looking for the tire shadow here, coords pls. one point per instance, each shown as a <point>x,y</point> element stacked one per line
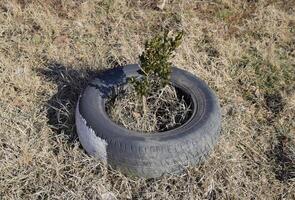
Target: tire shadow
<point>61,106</point>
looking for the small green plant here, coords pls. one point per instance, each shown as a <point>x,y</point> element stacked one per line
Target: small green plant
<point>155,64</point>
<point>224,14</point>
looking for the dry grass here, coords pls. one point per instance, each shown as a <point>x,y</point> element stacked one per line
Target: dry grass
<point>50,48</point>
<point>164,110</point>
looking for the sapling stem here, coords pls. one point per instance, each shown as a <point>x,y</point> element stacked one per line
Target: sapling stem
<point>144,105</point>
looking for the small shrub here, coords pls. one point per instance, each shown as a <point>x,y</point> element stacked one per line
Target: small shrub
<point>155,105</point>
<point>155,64</point>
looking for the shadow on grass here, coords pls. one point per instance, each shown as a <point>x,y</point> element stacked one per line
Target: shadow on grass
<point>61,106</point>
<point>283,155</point>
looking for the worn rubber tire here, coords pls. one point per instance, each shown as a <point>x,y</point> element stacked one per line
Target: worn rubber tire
<point>147,155</point>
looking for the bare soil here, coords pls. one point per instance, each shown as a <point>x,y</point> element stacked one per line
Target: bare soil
<point>49,49</point>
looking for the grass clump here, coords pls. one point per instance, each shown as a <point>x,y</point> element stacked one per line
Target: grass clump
<point>265,80</point>
<point>166,109</point>
<point>224,14</point>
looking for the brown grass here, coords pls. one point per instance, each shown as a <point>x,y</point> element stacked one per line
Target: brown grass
<point>245,50</point>
<point>164,110</point>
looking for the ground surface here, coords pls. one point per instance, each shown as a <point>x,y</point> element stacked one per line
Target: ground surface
<point>243,49</point>
<point>164,109</point>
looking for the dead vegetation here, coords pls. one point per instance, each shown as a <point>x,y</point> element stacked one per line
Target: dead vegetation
<point>165,109</point>
<point>243,49</point>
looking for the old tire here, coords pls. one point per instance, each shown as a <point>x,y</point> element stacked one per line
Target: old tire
<point>147,155</point>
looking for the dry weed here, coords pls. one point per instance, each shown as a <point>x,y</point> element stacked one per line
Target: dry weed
<point>165,109</point>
